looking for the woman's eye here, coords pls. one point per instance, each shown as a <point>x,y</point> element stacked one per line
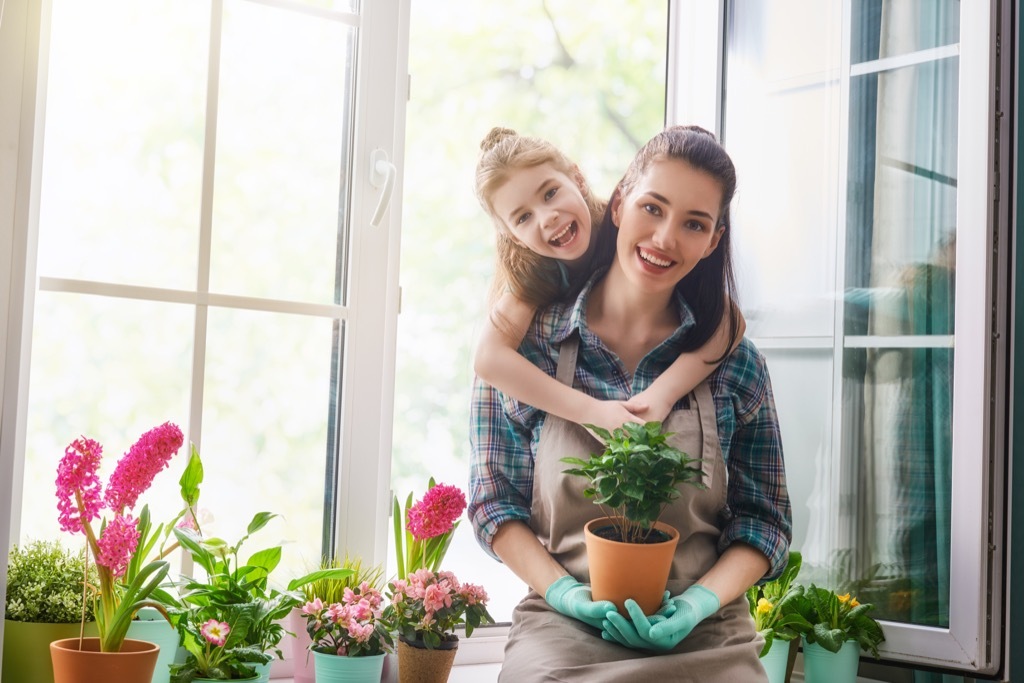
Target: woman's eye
<point>696,226</point>
<point>652,209</point>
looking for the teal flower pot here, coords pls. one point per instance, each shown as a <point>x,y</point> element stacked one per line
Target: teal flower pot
<point>774,661</point>
<point>822,666</point>
<point>335,669</point>
<point>151,626</point>
<point>263,672</point>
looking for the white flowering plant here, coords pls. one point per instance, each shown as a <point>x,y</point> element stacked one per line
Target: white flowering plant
<point>44,584</point>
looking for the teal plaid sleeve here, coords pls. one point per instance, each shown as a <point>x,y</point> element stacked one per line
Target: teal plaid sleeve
<point>759,511</point>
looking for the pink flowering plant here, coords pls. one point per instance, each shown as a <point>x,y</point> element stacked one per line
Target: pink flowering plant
<point>81,500</point>
<point>217,639</point>
<point>353,627</point>
<point>428,606</point>
<point>428,527</point>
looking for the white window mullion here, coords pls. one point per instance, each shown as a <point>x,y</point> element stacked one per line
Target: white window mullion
<point>368,391</point>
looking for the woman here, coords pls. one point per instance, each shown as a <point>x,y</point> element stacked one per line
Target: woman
<point>666,288</point>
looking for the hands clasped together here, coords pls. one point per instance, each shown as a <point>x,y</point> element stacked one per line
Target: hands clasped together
<point>661,631</point>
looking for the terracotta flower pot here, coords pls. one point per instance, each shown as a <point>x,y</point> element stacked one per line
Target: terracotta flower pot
<point>133,664</point>
<point>619,571</point>
<point>417,664</point>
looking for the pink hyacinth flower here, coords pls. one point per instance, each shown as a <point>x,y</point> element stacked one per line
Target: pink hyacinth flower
<point>137,468</point>
<point>117,544</point>
<point>215,632</point>
<point>441,506</point>
<point>77,473</point>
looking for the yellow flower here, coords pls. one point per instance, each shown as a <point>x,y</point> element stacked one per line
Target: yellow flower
<point>844,598</point>
<point>854,603</point>
<point>763,606</point>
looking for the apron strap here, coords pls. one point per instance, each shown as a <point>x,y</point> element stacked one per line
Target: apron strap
<point>567,355</point>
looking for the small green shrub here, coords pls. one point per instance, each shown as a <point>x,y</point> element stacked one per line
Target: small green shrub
<point>44,584</point>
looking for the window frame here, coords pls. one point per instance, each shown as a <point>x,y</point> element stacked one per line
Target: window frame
<point>973,642</point>
<point>371,308</point>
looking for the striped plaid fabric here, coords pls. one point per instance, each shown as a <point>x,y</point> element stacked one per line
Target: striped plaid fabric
<point>504,433</point>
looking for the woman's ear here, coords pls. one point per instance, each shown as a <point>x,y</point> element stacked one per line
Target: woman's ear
<point>616,207</point>
<point>715,239</point>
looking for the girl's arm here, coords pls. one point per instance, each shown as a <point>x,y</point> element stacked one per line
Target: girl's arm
<point>498,362</point>
<point>686,372</point>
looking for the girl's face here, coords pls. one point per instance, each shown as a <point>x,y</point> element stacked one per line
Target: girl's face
<point>544,211</point>
<point>667,223</point>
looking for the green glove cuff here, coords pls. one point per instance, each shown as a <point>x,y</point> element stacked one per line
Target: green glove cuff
<point>556,593</point>
<point>701,600</point>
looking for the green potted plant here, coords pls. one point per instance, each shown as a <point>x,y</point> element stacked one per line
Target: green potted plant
<point>256,608</point>
<point>81,501</point>
<point>837,628</point>
<point>771,606</point>
<point>329,589</point>
<point>629,551</point>
<point>45,601</point>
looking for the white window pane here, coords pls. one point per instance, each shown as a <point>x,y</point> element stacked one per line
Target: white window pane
<point>283,148</point>
<point>802,384</point>
<point>266,411</point>
<point>123,141</point>
<point>109,370</point>
<point>781,129</point>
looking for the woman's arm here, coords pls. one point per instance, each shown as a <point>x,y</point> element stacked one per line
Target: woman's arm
<point>518,547</point>
<point>686,372</point>
<point>737,569</point>
<point>498,362</point>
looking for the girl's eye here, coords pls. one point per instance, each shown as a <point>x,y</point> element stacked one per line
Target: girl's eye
<point>522,219</point>
<point>550,193</point>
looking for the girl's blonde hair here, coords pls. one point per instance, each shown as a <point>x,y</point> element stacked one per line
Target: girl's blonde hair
<point>531,278</point>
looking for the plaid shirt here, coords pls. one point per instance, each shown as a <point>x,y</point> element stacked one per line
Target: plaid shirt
<point>504,433</point>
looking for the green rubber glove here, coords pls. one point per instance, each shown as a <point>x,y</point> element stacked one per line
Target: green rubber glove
<point>623,632</point>
<point>693,605</point>
<point>573,599</point>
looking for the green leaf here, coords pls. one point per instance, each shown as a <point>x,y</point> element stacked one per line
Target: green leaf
<point>259,520</point>
<point>831,639</point>
<point>266,559</point>
<point>191,478</point>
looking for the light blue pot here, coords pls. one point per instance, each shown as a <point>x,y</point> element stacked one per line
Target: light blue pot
<point>774,661</point>
<point>335,669</point>
<point>822,666</point>
<point>263,672</point>
<point>152,627</point>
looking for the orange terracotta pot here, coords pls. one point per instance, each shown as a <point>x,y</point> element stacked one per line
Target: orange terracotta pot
<point>135,662</point>
<point>619,571</point>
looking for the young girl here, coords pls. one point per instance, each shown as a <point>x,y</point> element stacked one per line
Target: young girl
<point>548,246</point>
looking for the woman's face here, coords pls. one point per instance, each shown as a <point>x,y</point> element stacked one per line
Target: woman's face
<point>667,223</point>
<point>544,211</point>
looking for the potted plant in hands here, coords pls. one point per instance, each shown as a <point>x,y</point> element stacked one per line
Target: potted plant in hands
<point>80,500</point>
<point>837,628</point>
<point>425,609</point>
<point>349,637</point>
<point>629,551</point>
<point>775,619</point>
<point>45,601</point>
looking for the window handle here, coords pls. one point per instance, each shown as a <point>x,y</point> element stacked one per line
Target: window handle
<point>382,173</point>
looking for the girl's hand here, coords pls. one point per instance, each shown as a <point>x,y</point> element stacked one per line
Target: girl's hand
<point>609,415</point>
<point>649,406</point>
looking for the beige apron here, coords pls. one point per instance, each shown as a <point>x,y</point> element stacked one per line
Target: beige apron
<point>544,645</point>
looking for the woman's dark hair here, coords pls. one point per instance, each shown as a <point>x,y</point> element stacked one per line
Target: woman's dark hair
<point>709,289</point>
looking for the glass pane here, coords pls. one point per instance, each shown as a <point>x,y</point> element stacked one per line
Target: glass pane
<point>901,213</point>
<point>780,64</point>
<point>802,384</point>
<point>882,28</point>
<point>589,76</point>
<point>283,148</point>
<point>266,409</point>
<point>122,158</point>
<point>109,370</point>
<point>895,509</point>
